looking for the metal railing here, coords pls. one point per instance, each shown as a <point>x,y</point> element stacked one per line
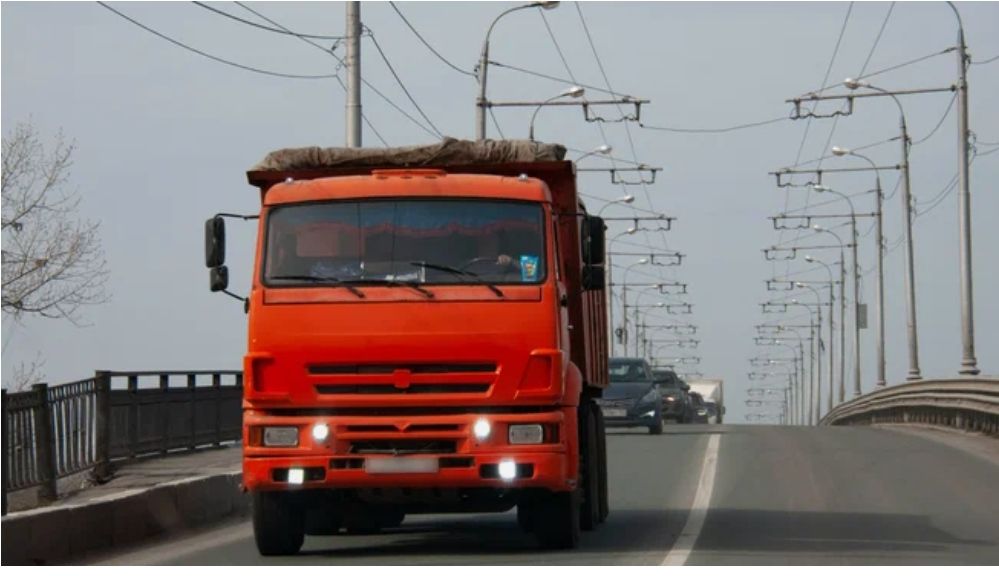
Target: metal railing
<point>52,432</point>
<point>970,404</point>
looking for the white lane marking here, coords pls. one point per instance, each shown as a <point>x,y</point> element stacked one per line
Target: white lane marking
<point>684,544</point>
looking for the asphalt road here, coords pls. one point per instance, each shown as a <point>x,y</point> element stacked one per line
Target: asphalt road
<point>767,495</point>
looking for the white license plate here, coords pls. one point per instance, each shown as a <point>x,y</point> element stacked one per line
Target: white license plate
<point>392,465</point>
<point>615,412</point>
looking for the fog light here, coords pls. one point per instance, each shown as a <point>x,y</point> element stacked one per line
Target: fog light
<point>526,434</point>
<point>507,469</point>
<point>282,436</point>
<point>482,429</point>
<point>320,432</point>
<point>296,476</point>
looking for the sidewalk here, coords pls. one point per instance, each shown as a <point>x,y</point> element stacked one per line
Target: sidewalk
<point>146,497</point>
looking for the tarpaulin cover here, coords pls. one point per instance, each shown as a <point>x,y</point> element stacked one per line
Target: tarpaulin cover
<point>449,152</point>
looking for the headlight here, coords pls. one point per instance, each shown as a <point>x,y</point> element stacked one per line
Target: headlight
<point>525,434</point>
<point>281,436</point>
<point>671,399</point>
<point>650,396</point>
<point>702,412</point>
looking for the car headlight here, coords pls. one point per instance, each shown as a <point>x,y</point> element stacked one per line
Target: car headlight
<point>671,399</point>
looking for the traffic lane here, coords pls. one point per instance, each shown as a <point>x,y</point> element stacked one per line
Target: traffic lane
<point>652,481</point>
<point>845,495</point>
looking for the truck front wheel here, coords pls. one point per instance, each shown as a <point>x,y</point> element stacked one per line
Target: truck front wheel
<point>556,520</point>
<point>278,523</point>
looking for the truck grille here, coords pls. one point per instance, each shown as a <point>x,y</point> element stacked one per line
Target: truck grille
<point>399,447</point>
<point>403,379</point>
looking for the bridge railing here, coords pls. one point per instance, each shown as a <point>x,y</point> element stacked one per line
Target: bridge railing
<point>970,404</point>
<point>53,432</point>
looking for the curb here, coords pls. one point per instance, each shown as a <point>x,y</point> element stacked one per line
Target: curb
<point>56,534</point>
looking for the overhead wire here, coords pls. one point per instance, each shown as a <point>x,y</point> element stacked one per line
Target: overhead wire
<point>262,27</point>
<point>992,59</point>
<point>427,44</point>
<point>547,76</point>
<point>714,130</point>
<point>402,85</point>
<point>342,63</point>
<point>216,58</point>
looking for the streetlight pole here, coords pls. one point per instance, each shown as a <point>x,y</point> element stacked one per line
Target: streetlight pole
<point>832,335</point>
<point>969,365</point>
<point>624,301</point>
<point>610,277</point>
<point>817,370</point>
<point>910,280</point>
<point>842,320</point>
<point>880,302</point>
<point>481,104</point>
<point>856,288</point>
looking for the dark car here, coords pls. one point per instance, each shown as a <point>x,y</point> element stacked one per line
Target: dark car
<point>712,409</point>
<point>633,398</point>
<point>699,408</point>
<point>676,400</point>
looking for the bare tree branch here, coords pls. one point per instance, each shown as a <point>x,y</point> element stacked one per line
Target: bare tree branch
<point>53,263</point>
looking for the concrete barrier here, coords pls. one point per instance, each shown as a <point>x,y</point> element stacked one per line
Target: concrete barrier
<point>59,533</point>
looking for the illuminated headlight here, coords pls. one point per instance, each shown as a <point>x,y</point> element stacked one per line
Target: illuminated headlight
<point>282,436</point>
<point>296,476</point>
<point>526,434</point>
<point>670,399</point>
<point>320,432</point>
<point>507,469</point>
<point>482,429</point>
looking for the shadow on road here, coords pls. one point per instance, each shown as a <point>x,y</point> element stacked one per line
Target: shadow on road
<point>626,533</point>
<point>763,531</point>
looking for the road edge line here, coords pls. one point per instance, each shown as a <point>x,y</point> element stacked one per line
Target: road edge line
<point>684,544</point>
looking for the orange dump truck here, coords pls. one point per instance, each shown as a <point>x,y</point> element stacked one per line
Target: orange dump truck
<point>427,334</point>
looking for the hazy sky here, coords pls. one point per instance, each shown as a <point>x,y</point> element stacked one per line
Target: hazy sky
<point>165,135</point>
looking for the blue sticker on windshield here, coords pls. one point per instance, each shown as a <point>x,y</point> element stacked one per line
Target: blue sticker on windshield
<point>528,268</point>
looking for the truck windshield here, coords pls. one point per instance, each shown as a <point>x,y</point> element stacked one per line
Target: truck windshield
<point>426,241</point>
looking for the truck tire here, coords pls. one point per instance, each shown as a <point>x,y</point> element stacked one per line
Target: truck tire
<point>556,523</point>
<point>525,516</point>
<point>589,467</point>
<point>278,523</point>
<point>602,456</point>
<point>324,514</point>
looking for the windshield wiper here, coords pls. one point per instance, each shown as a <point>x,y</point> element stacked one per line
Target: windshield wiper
<point>387,282</point>
<point>321,280</point>
<point>457,272</point>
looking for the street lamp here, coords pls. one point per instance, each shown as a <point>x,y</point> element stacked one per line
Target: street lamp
<point>880,302</point>
<point>603,149</point>
<point>910,279</point>
<point>481,103</point>
<point>626,199</point>
<point>842,328</point>
<point>816,372</point>
<point>571,92</point>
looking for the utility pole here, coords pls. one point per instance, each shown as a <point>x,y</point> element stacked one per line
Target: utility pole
<point>353,65</point>
<point>969,365</point>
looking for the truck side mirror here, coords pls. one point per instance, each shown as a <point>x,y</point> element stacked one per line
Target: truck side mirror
<point>214,242</point>
<point>593,240</point>
<point>219,278</point>
<point>594,278</point>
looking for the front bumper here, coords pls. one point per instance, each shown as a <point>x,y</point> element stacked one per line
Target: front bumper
<point>622,416</point>
<point>444,442</point>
